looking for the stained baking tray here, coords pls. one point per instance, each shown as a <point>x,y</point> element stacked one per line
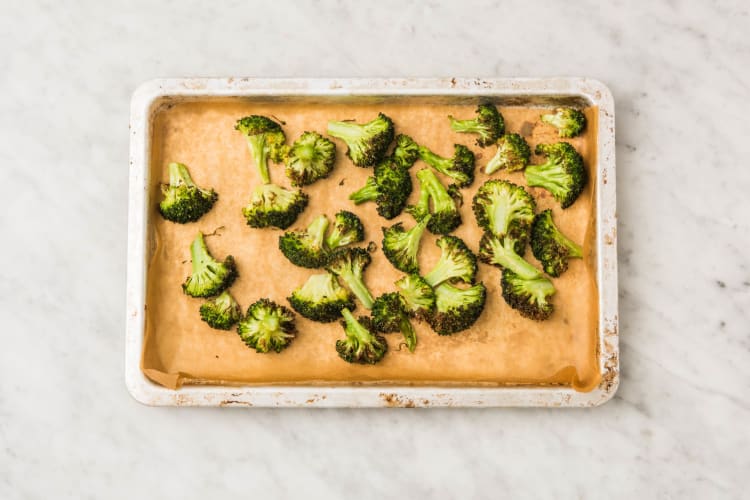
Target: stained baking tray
<point>506,92</point>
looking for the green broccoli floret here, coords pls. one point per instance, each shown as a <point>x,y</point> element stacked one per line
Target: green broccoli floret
<point>274,206</point>
<point>389,187</point>
<point>349,264</point>
<point>221,312</point>
<point>550,246</point>
<point>401,246</point>
<point>321,298</point>
<point>184,201</point>
<point>417,296</point>
<point>456,309</point>
<point>489,124</point>
<point>435,199</point>
<point>503,208</point>
<point>388,316</point>
<point>267,326</point>
<point>347,229</point>
<point>568,122</point>
<point>310,158</point>
<point>209,276</point>
<point>513,153</point>
<point>361,345</point>
<point>460,168</point>
<point>456,263</point>
<point>265,140</point>
<point>306,247</point>
<point>563,174</point>
<point>406,151</point>
<point>367,143</point>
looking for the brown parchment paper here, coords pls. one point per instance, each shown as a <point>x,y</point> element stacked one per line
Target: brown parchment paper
<point>502,348</point>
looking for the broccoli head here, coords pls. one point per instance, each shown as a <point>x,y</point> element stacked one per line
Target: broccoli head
<point>306,247</point>
<point>388,315</point>
<point>562,174</point>
<point>417,297</point>
<point>406,151</point>
<point>488,124</point>
<point>401,246</point>
<point>310,158</point>
<point>530,297</point>
<point>347,229</point>
<point>209,276</point>
<point>221,312</point>
<point>435,199</point>
<point>367,143</point>
<point>503,208</point>
<point>361,344</point>
<point>274,206</point>
<point>265,139</point>
<point>550,246</point>
<point>456,263</point>
<point>460,168</point>
<point>267,326</point>
<point>184,201</point>
<point>389,187</point>
<point>512,153</point>
<point>456,309</point>
<point>349,264</point>
<point>569,122</point>
<point>321,298</point>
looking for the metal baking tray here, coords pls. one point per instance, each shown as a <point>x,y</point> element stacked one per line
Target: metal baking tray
<point>506,91</point>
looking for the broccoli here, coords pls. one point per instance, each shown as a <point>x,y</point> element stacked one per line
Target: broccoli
<point>367,143</point>
<point>389,187</point>
<point>306,248</point>
<point>221,312</point>
<point>406,151</point>
<point>563,174</point>
<point>456,263</point>
<point>183,200</point>
<point>550,246</point>
<point>347,229</point>
<point>489,124</point>
<point>274,206</point>
<point>568,122</point>
<point>310,158</point>
<point>456,309</point>
<point>460,168</point>
<point>502,208</point>
<point>445,214</point>
<point>361,345</point>
<point>349,264</point>
<point>267,326</point>
<point>321,298</point>
<point>265,140</point>
<point>513,153</point>
<point>388,315</point>
<point>401,246</point>
<point>417,296</point>
<point>209,277</point>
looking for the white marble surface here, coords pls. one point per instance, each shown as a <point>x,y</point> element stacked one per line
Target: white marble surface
<point>678,428</point>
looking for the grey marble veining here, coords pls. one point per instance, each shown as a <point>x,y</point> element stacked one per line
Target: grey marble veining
<point>678,427</point>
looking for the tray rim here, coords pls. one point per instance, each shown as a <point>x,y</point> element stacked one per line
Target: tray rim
<point>150,93</point>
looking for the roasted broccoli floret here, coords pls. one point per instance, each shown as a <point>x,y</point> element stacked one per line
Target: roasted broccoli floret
<point>406,151</point>
<point>349,264</point>
<point>401,246</point>
<point>347,229</point>
<point>456,309</point>
<point>310,158</point>
<point>489,124</point>
<point>389,187</point>
<point>460,168</point>
<point>367,143</point>
<point>562,174</point>
<point>361,344</point>
<point>274,206</point>
<point>417,296</point>
<point>389,315</point>
<point>209,276</point>
<point>183,200</point>
<point>512,153</point>
<point>435,199</point>
<point>502,208</point>
<point>221,312</point>
<point>306,247</point>
<point>456,263</point>
<point>321,298</point>
<point>265,140</point>
<point>568,122</point>
<point>267,326</point>
<point>550,246</point>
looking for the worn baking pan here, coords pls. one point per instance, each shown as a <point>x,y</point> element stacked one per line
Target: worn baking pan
<point>155,95</point>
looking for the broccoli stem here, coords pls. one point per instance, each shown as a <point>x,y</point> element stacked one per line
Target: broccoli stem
<point>439,163</point>
<point>317,230</point>
<point>574,249</point>
<point>429,182</point>
<point>541,288</point>
<point>368,192</point>
<point>358,288</point>
<point>199,254</point>
<point>504,254</point>
<point>179,175</point>
<point>407,330</point>
<point>470,126</point>
<point>346,131</point>
<point>257,145</point>
<point>354,328</point>
<point>548,175</point>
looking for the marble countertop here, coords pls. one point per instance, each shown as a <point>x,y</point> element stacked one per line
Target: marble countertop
<point>677,428</point>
